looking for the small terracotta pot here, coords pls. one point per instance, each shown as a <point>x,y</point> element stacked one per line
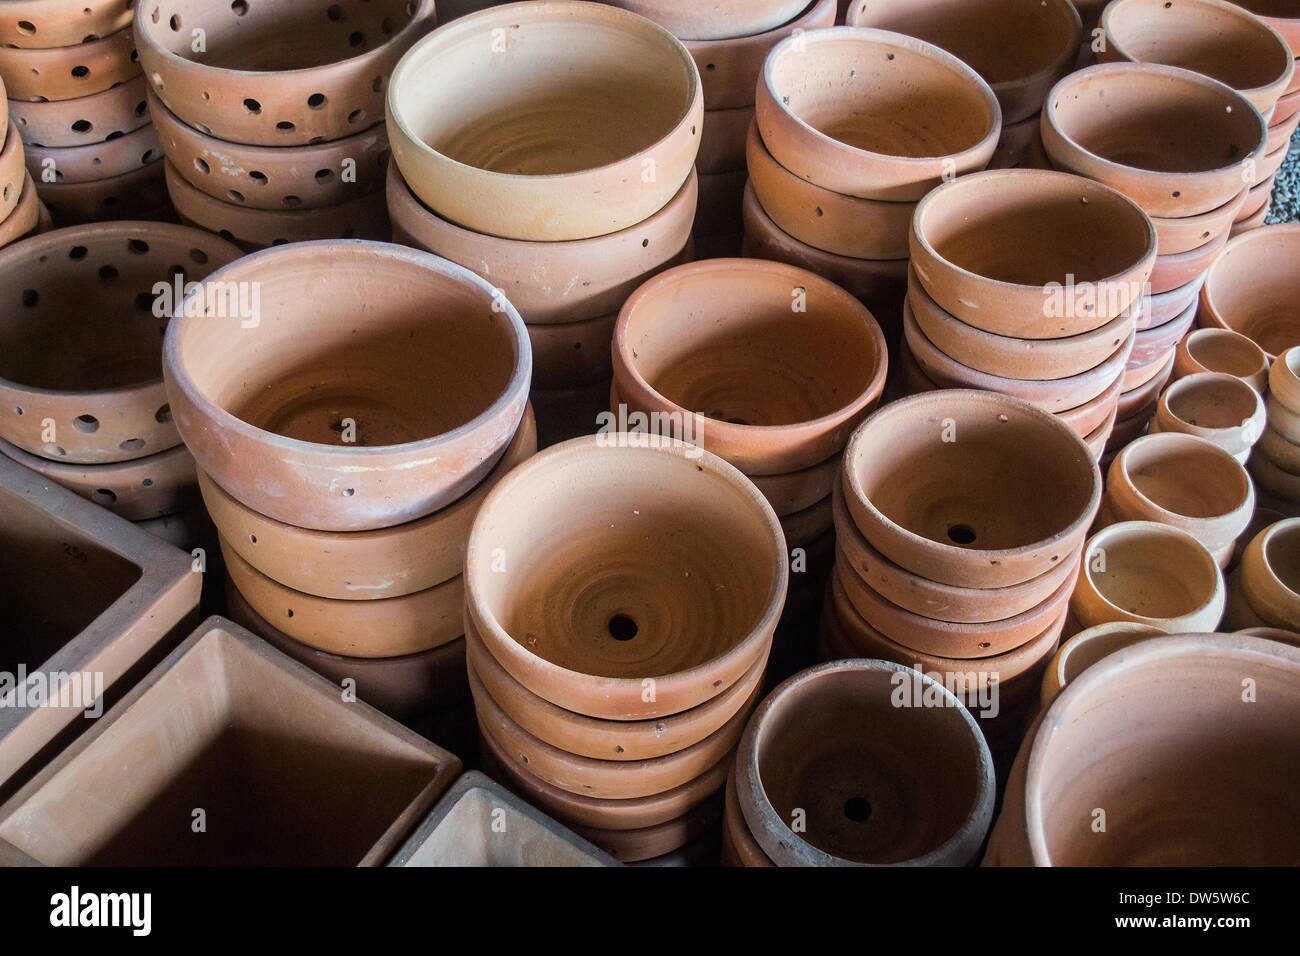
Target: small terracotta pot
<point>129,195</point>
<point>42,24</point>
<point>274,177</point>
<point>266,421</point>
<point>730,65</point>
<point>457,114</point>
<point>1219,408</point>
<point>85,120</point>
<point>68,72</point>
<point>271,77</point>
<point>1270,574</point>
<point>1150,574</point>
<point>1252,286</point>
<point>95,161</point>
<point>1178,143</point>
<point>736,838</point>
<point>874,114</point>
<point>719,21</point>
<point>1222,350</point>
<point>951,510</point>
<point>1065,256</point>
<point>722,140</point>
<point>1087,648</point>
<point>1159,308</point>
<point>552,282</point>
<point>26,216</point>
<point>1212,37</point>
<point>676,353</point>
<point>1175,271</point>
<point>836,223</point>
<point>863,793</point>
<point>102,387</point>
<point>1157,343</point>
<point>1047,37</point>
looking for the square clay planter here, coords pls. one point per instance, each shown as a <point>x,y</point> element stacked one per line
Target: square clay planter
<point>83,591</point>
<point>479,823</point>
<point>230,753</point>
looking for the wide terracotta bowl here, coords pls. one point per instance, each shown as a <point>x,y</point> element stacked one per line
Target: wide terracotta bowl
<point>1270,574</point>
<point>874,114</point>
<point>1179,786</point>
<point>1178,143</point>
<point>781,364</point>
<point>42,24</point>
<point>95,161</point>
<point>498,137</point>
<point>1252,288</point>
<point>552,282</point>
<point>939,484</point>
<point>80,369</point>
<point>274,74</point>
<point>87,119</point>
<point>1032,253</point>
<point>640,578</point>
<point>1021,47</point>
<point>1217,407</point>
<point>1087,648</point>
<point>1213,37</point>
<point>293,425</point>
<point>719,20</point>
<point>831,772</point>
<point>68,72</point>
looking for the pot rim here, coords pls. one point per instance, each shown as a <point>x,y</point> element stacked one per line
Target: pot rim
<point>177,371</point>
<point>1151,529</point>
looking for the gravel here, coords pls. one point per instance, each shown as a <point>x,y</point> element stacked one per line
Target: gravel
<point>1286,189</point>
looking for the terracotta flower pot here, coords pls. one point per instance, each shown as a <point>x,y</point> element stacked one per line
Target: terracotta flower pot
<point>1064,256</point>
<point>1212,37</point>
<point>85,120</point>
<point>1219,408</point>
<point>730,65</point>
<point>134,194</point>
<point>936,482</point>
<point>722,140</point>
<point>68,72</point>
<point>42,24</point>
<point>95,161</point>
<point>458,107</point>
<point>552,282</point>
<point>102,387</point>
<point>1174,271</point>
<point>1222,350</point>
<point>591,648</point>
<point>1252,286</point>
<point>1046,41</point>
<point>874,114</point>
<point>272,76</point>
<point>676,353</point>
<point>1158,308</point>
<point>1087,648</point>
<point>867,796</point>
<point>1148,573</point>
<point>1179,144</point>
<point>1270,574</point>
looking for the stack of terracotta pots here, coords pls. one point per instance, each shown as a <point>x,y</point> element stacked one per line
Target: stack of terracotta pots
<point>21,210</point>
<point>1285,19</point>
<point>1275,462</point>
<point>566,233</point>
<point>771,368</point>
<point>76,98</point>
<point>943,565</point>
<point>1026,282</point>
<point>621,598</point>
<point>860,762</point>
<point>1098,123</point>
<point>342,462</point>
<point>853,127</point>
<point>1264,590</point>
<point>273,124</point>
<point>81,374</point>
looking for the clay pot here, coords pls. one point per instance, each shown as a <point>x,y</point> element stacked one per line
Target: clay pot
<point>1213,37</point>
<point>874,114</point>
<point>274,177</point>
<point>1031,253</point>
<point>1220,408</point>
<point>952,510</point>
<point>458,111</point>
<point>1087,648</point>
<point>722,140</point>
<point>1179,144</point>
<point>95,161</point>
<point>276,77</point>
<point>831,742</point>
<point>1160,308</point>
<point>586,643</point>
<point>552,282</point>
<point>1221,350</point>
<point>1270,574</point>
<point>95,288</point>
<point>41,24</point>
<point>799,491</point>
<point>1251,288</point>
<point>134,194</point>
<point>676,352</point>
<point>85,120</point>
<point>68,72</point>
<point>739,848</point>
<point>1046,41</point>
<point>730,65</point>
<point>1148,573</point>
<point>144,488</point>
<point>1174,271</point>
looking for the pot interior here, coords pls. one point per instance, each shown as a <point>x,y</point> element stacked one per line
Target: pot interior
<point>1185,773</point>
<point>347,332</point>
<point>626,562</point>
<point>1220,350</point>
<point>292,777</point>
<point>1151,571</point>
<point>545,94</point>
<point>1190,478</point>
<point>1282,553</point>
<point>878,783</point>
<point>729,345</point>
<point>1254,287</point>
<point>886,98</point>
<point>270,36</point>
<point>1212,402</point>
